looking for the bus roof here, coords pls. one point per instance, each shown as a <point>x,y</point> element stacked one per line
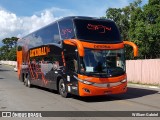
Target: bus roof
<point>71,18</point>
<point>87,29</point>
<point>83,17</point>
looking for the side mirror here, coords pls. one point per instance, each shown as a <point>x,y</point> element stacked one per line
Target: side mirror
<point>134,46</point>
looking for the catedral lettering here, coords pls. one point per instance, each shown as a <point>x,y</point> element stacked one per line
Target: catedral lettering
<point>102,46</point>
<point>39,51</point>
<point>83,56</point>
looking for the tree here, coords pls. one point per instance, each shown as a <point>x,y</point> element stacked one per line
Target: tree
<point>145,29</point>
<point>8,50</point>
<point>141,25</point>
<point>122,17</point>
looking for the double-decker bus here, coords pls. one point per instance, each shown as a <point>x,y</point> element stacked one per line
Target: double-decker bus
<point>83,56</point>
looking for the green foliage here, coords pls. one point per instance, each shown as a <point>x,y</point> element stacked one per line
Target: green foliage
<point>141,25</point>
<point>8,50</point>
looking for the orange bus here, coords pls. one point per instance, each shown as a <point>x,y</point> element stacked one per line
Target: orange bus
<point>76,55</point>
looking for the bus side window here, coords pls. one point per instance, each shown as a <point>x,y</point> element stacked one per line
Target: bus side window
<point>75,65</point>
<point>71,63</point>
<point>66,29</point>
<point>71,58</point>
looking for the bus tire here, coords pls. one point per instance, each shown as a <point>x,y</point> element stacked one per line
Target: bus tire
<point>62,89</point>
<point>27,82</point>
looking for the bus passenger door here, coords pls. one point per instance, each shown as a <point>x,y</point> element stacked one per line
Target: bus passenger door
<point>71,59</point>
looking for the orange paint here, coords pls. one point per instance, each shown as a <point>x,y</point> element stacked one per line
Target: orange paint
<point>63,59</point>
<point>95,91</point>
<point>39,51</point>
<point>77,43</point>
<point>103,46</point>
<point>19,62</point>
<point>81,45</point>
<point>37,71</point>
<point>101,90</point>
<point>135,48</point>
<point>102,80</point>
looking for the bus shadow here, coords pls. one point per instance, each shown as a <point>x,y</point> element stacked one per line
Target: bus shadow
<point>45,89</point>
<point>130,94</point>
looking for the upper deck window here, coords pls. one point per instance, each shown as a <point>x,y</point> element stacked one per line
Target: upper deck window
<point>66,29</point>
<point>97,31</point>
<point>49,34</point>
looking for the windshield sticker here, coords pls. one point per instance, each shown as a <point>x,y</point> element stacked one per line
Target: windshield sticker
<point>89,69</point>
<point>100,28</point>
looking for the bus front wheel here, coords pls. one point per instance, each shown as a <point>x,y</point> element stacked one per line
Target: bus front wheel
<point>62,89</point>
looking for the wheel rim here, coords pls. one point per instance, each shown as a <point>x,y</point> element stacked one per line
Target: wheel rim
<point>62,88</point>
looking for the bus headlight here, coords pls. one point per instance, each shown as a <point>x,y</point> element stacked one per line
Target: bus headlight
<point>124,80</point>
<point>87,82</point>
<point>83,81</point>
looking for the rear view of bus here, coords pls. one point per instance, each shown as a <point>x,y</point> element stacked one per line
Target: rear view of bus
<point>94,58</point>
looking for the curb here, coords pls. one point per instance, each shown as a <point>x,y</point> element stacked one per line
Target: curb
<point>144,86</point>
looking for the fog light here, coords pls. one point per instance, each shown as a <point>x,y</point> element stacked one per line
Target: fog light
<point>125,88</point>
<point>86,90</point>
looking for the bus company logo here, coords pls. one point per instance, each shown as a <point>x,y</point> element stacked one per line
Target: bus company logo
<point>102,46</point>
<point>39,51</point>
<point>21,114</point>
<point>6,114</point>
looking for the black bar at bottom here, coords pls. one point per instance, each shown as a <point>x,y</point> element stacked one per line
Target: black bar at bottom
<point>79,113</point>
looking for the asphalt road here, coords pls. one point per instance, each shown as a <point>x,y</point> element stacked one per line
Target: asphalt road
<point>14,96</point>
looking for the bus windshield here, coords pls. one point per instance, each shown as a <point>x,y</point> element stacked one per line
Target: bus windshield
<point>108,63</point>
<point>103,31</point>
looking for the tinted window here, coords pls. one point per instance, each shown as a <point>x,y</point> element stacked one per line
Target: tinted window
<point>49,34</point>
<point>71,58</point>
<point>94,30</point>
<point>66,29</point>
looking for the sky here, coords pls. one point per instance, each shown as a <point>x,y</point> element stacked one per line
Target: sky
<point>21,17</point>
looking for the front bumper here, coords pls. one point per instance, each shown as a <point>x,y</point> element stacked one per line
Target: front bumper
<point>90,90</point>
